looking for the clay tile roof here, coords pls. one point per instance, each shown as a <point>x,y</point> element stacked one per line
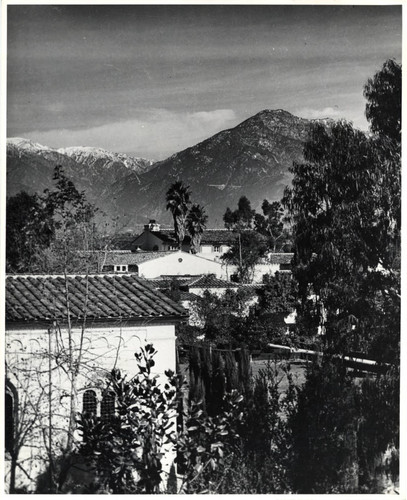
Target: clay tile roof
<point>218,236</point>
<point>210,281</point>
<point>113,258</point>
<point>106,297</point>
<point>188,296</point>
<point>165,282</point>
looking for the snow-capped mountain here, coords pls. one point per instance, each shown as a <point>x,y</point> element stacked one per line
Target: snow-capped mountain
<point>30,167</point>
<point>94,157</point>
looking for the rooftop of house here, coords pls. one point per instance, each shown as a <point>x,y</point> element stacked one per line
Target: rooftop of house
<point>188,296</point>
<point>33,298</point>
<point>164,282</point>
<point>209,236</point>
<point>130,258</point>
<point>211,281</point>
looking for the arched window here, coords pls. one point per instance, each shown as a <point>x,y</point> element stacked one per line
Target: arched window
<point>107,406</point>
<point>89,403</point>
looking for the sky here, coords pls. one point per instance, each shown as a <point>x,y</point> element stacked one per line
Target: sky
<point>152,80</point>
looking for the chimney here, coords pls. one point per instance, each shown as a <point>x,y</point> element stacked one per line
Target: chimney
<point>152,226</point>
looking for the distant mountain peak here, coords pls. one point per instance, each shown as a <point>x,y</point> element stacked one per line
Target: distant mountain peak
<point>251,159</point>
<point>26,144</point>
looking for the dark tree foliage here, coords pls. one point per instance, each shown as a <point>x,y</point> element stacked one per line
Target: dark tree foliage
<point>340,429</point>
<point>28,230</point>
<point>345,226</point>
<point>378,430</point>
<point>215,373</point>
<point>242,217</point>
<point>345,209</point>
<point>383,93</point>
<point>324,440</point>
<point>222,316</point>
<point>195,225</point>
<point>245,253</point>
<point>271,225</point>
<point>178,201</point>
<point>279,294</point>
<point>47,233</point>
<point>250,246</point>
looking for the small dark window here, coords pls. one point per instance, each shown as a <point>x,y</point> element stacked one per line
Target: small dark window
<point>155,248</point>
<point>216,248</point>
<point>107,406</point>
<point>89,403</point>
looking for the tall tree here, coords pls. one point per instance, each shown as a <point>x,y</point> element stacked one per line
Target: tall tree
<point>249,246</point>
<point>72,219</point>
<point>28,231</point>
<point>50,232</point>
<point>178,201</point>
<point>247,250</point>
<point>345,208</point>
<point>343,231</point>
<point>383,93</point>
<point>195,225</point>
<point>271,225</point>
<point>242,218</point>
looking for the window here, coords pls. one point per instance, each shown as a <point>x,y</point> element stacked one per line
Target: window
<point>107,406</point>
<point>89,403</point>
<point>216,248</point>
<point>120,269</point>
<point>285,267</point>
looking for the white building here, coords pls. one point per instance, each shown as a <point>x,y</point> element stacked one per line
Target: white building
<point>98,322</point>
<point>154,264</point>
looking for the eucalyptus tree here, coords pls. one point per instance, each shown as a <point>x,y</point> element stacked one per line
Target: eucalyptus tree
<point>344,204</point>
<point>178,202</point>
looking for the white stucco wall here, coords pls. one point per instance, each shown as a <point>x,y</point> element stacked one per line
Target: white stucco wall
<point>181,263</point>
<point>104,348</point>
<point>208,251</point>
<point>259,271</point>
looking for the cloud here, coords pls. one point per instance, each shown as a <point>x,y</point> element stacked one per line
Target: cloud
<point>313,114</point>
<point>352,111</point>
<point>156,134</point>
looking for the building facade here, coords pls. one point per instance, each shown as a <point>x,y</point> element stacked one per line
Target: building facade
<point>63,337</point>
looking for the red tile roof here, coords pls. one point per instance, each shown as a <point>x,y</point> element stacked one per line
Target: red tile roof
<point>106,297</point>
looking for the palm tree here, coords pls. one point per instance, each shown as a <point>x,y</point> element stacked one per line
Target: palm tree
<point>178,201</point>
<point>195,225</point>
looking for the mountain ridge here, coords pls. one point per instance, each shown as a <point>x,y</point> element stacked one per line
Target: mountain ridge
<point>251,159</point>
